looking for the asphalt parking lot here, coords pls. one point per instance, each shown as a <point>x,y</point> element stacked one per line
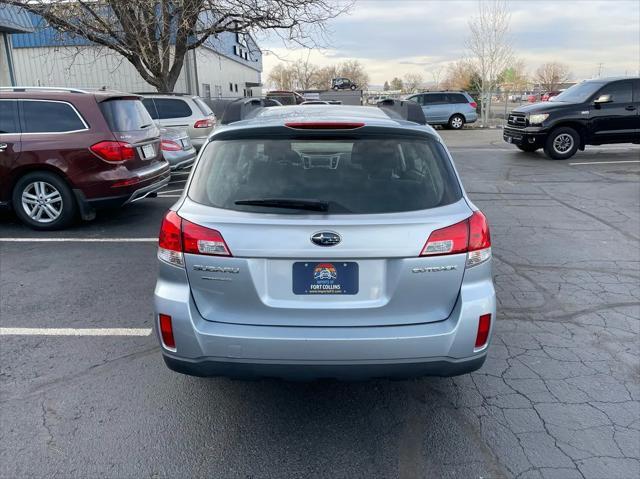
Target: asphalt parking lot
<point>559,396</point>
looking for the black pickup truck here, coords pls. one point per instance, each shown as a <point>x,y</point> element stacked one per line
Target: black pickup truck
<point>594,112</point>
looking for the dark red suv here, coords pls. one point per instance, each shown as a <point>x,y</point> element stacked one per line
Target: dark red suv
<point>66,152</point>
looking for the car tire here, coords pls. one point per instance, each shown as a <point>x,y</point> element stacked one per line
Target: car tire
<point>43,201</point>
<point>456,122</point>
<point>562,143</point>
<point>528,147</point>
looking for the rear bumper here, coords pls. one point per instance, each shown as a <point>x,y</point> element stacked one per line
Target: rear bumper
<point>471,117</point>
<point>131,194</point>
<point>208,348</point>
<point>398,369</point>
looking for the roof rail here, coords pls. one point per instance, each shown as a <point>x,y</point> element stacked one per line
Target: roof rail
<point>403,109</point>
<point>162,93</point>
<point>44,88</point>
<point>244,107</point>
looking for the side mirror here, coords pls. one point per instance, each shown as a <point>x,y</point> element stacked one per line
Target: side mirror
<point>603,99</point>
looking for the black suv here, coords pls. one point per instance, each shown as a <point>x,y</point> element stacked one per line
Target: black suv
<point>593,112</point>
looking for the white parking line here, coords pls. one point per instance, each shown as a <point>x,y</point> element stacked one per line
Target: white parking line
<point>78,240</point>
<point>169,196</point>
<point>75,331</point>
<point>603,162</point>
<point>176,181</point>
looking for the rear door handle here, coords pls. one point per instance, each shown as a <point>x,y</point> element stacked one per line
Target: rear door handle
<point>630,108</point>
<point>3,146</point>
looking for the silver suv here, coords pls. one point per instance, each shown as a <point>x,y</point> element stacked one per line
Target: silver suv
<point>324,241</point>
<point>451,109</point>
<point>188,112</point>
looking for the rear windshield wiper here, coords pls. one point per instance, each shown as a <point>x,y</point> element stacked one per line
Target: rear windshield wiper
<point>293,204</point>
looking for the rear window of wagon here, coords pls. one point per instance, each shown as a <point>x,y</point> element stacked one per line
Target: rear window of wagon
<point>353,175</point>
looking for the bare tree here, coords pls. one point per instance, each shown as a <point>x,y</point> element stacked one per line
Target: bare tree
<point>324,75</point>
<point>412,82</point>
<point>490,47</point>
<point>304,73</point>
<point>396,84</point>
<point>461,75</point>
<point>436,75</point>
<point>551,75</point>
<point>281,77</point>
<point>155,35</point>
<point>354,71</point>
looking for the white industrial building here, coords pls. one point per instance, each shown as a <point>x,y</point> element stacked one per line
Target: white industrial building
<point>226,66</point>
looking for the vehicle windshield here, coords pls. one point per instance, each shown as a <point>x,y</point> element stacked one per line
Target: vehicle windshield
<point>578,93</point>
<point>325,176</point>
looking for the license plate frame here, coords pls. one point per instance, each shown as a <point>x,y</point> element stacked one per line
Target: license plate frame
<point>325,278</point>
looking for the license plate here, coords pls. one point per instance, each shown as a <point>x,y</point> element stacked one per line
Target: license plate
<point>148,151</point>
<point>336,277</point>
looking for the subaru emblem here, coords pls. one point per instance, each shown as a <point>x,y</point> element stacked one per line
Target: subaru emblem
<point>325,238</point>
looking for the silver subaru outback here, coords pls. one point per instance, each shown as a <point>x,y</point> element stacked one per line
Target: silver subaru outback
<point>324,241</point>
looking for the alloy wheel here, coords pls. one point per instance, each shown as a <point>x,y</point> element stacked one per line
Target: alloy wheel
<point>42,202</point>
<point>563,143</point>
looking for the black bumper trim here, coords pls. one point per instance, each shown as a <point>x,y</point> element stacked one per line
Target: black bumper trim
<point>309,372</point>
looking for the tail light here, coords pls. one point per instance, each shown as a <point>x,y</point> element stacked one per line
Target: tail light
<point>470,236</point>
<point>473,104</point>
<point>170,145</point>
<point>114,151</point>
<point>206,123</point>
<point>484,325</point>
<point>178,236</point>
<point>166,331</point>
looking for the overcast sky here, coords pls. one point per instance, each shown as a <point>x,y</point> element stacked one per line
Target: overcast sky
<point>395,37</point>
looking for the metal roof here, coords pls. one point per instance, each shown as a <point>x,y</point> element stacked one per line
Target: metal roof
<point>14,20</point>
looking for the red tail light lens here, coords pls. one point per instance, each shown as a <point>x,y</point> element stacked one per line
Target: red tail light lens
<point>114,151</point>
<point>200,240</point>
<point>166,331</point>
<point>450,240</point>
<point>484,325</point>
<point>324,125</point>
<point>170,145</point>
<point>479,236</point>
<point>178,236</point>
<point>170,240</point>
<point>473,104</point>
<point>208,123</point>
<point>470,236</point>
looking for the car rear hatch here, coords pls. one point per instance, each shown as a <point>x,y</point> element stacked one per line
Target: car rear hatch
<point>132,125</point>
<point>308,230</point>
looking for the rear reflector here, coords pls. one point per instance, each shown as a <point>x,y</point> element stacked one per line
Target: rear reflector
<point>208,123</point>
<point>324,125</point>
<point>166,331</point>
<point>484,325</point>
<point>170,145</point>
<point>114,151</point>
